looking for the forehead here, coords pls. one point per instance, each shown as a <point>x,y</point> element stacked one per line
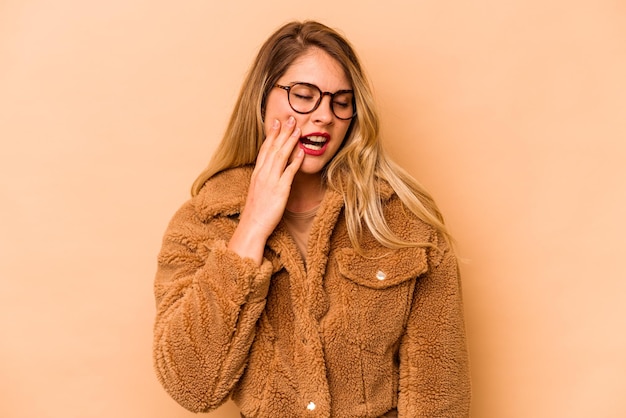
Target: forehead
<point>317,67</point>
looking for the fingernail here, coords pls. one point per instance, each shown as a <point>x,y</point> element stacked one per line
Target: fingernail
<point>291,120</point>
<point>275,124</point>
<point>296,132</point>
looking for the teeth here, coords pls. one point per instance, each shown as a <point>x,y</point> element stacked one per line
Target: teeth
<point>311,146</point>
<point>316,139</point>
<point>314,142</point>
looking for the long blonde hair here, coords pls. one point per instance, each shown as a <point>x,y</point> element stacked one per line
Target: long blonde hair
<point>361,159</point>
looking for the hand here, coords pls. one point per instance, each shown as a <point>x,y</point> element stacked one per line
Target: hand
<point>269,190</point>
<point>272,177</point>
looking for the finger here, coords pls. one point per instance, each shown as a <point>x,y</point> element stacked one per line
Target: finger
<point>276,149</point>
<point>293,167</point>
<point>284,133</point>
<point>275,140</point>
<point>267,142</point>
<point>281,157</point>
<point>277,155</point>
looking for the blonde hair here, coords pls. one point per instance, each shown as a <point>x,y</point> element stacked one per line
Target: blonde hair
<point>361,159</point>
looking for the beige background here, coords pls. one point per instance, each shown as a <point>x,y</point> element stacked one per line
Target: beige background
<point>511,112</point>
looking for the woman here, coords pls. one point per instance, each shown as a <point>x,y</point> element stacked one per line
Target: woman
<point>309,276</point>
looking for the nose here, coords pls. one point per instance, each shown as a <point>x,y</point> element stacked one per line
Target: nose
<point>324,114</point>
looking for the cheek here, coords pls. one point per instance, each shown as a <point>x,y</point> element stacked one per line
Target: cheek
<point>343,132</point>
<point>269,113</point>
<point>275,106</point>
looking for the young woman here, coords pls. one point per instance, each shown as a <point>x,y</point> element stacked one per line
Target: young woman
<point>309,276</point>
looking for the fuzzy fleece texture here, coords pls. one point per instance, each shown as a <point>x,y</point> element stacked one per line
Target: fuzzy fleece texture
<point>350,335</point>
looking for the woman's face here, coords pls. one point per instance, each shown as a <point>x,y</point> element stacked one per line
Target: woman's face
<point>320,69</point>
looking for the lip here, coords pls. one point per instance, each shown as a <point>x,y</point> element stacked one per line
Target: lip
<point>315,152</point>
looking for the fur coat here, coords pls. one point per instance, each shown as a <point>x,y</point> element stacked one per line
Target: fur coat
<point>346,335</point>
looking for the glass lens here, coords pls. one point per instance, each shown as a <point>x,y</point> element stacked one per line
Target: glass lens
<point>303,98</point>
<point>343,105</point>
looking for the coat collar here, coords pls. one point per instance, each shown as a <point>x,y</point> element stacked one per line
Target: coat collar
<point>225,193</point>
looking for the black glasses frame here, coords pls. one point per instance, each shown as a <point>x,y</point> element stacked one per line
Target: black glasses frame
<point>319,100</point>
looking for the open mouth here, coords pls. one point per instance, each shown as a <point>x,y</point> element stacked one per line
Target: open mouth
<point>314,142</point>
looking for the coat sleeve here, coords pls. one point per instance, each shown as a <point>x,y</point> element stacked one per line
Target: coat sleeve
<point>434,372</point>
<point>208,301</point>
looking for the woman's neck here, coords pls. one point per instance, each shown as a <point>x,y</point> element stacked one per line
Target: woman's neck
<point>307,192</point>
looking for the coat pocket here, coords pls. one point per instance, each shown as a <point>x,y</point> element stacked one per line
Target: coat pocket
<point>377,294</point>
<point>381,271</point>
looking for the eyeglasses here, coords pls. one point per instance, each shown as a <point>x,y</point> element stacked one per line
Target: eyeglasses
<point>305,98</point>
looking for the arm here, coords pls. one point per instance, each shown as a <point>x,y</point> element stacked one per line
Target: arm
<point>208,301</point>
<point>211,285</point>
<point>434,375</point>
<point>269,190</point>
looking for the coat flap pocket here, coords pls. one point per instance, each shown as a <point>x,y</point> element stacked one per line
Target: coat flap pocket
<point>382,271</point>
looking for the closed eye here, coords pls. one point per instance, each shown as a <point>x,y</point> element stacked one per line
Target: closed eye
<point>302,97</point>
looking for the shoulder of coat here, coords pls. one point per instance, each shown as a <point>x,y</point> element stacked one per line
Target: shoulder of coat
<point>224,193</point>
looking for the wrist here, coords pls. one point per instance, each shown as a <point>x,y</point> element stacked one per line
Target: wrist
<point>248,241</point>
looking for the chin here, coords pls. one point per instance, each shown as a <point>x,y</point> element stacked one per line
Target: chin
<point>310,168</point>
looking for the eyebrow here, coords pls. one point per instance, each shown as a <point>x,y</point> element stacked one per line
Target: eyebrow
<point>291,83</point>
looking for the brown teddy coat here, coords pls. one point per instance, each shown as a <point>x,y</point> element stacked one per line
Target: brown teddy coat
<point>347,335</point>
